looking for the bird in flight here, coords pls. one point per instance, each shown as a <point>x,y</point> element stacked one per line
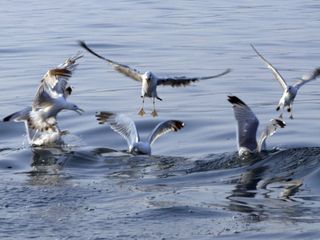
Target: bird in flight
<point>126,127</point>
<point>149,80</point>
<point>289,91</point>
<point>50,99</point>
<point>247,126</point>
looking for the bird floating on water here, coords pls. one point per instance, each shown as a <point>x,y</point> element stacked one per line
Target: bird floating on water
<point>289,91</point>
<point>126,127</point>
<point>247,125</point>
<point>149,80</point>
<point>51,97</point>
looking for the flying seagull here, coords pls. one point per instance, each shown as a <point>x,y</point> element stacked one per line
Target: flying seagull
<point>289,91</point>
<point>125,126</point>
<point>50,99</point>
<point>149,80</point>
<point>247,125</point>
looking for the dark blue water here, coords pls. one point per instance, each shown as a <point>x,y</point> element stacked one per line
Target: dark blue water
<point>195,186</point>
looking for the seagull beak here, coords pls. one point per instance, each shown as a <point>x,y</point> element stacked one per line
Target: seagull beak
<point>79,111</point>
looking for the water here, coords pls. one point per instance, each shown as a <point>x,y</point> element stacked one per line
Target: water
<point>194,187</point>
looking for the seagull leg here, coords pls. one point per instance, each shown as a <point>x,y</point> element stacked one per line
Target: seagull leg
<point>154,112</point>
<point>61,133</point>
<point>142,112</point>
<point>281,116</point>
<point>34,136</point>
<point>290,111</point>
<point>28,132</point>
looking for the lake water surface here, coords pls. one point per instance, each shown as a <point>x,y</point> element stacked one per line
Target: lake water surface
<point>195,186</point>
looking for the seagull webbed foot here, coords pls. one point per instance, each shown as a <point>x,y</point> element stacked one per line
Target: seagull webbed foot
<point>141,112</point>
<point>154,113</point>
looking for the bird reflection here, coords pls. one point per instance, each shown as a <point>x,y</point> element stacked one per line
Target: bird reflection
<point>47,164</point>
<point>252,195</point>
<point>245,189</point>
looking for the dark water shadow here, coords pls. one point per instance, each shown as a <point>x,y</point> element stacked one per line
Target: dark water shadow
<point>274,187</point>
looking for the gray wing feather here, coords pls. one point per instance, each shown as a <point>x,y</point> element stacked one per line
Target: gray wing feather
<point>42,97</point>
<point>22,115</point>
<point>121,68</point>
<point>271,128</point>
<point>247,124</point>
<point>121,124</point>
<point>163,128</point>
<point>55,82</point>
<point>184,81</point>
<point>275,72</point>
<point>308,77</point>
<point>33,120</point>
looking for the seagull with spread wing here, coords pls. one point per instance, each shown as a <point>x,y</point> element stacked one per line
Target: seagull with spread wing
<point>125,126</point>
<point>247,125</point>
<point>149,80</point>
<point>289,91</point>
<point>50,99</point>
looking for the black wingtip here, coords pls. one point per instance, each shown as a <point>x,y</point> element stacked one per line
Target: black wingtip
<point>176,125</point>
<point>69,90</point>
<point>281,123</point>
<point>235,100</point>
<point>179,124</point>
<point>253,47</point>
<point>7,118</point>
<point>82,44</point>
<point>85,46</point>
<point>102,117</point>
<point>228,70</point>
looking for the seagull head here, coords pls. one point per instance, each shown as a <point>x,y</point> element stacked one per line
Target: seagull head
<point>292,91</point>
<point>141,148</point>
<point>289,89</point>
<point>148,76</point>
<point>75,108</point>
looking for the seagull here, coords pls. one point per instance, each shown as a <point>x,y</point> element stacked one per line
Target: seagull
<point>125,126</point>
<point>247,128</point>
<point>289,91</point>
<point>149,80</point>
<point>50,99</point>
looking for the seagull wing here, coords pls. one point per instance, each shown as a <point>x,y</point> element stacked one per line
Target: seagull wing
<point>22,115</point>
<point>53,87</point>
<point>247,124</point>
<point>184,81</point>
<point>121,124</point>
<point>308,77</point>
<point>44,96</point>
<point>163,128</point>
<point>121,68</point>
<point>273,69</point>
<point>54,83</point>
<point>271,128</point>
